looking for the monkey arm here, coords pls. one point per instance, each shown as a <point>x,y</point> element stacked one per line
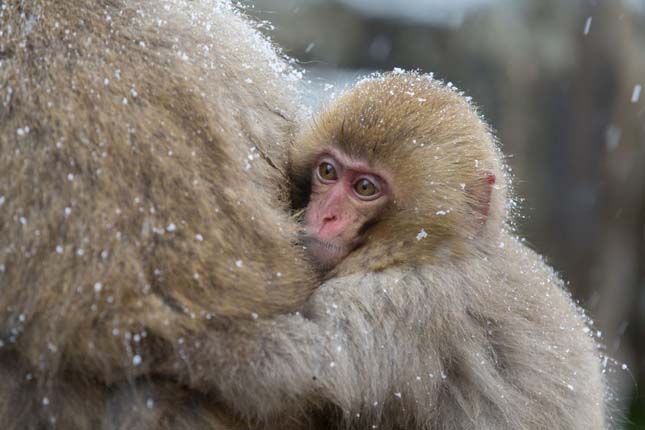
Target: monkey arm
<point>357,344</point>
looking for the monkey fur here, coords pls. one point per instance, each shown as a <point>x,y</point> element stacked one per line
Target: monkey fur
<point>442,319</point>
<point>143,199</point>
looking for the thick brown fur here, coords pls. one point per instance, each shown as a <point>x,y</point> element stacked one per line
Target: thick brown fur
<point>463,328</point>
<point>143,202</point>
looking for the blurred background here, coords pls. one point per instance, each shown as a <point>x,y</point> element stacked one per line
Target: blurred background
<point>562,84</point>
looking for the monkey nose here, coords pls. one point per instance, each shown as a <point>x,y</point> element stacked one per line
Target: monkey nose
<point>329,226</point>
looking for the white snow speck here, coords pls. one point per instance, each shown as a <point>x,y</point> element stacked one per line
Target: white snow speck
<point>422,234</point>
<point>397,395</point>
<point>45,401</point>
<point>150,403</point>
<point>636,94</point>
<point>238,263</point>
<point>624,367</point>
<point>501,244</point>
<point>124,101</point>
<point>441,213</point>
<point>199,237</point>
<point>612,137</point>
<point>332,364</point>
<point>2,268</point>
<point>59,249</point>
<point>254,315</point>
<point>248,80</point>
<point>569,386</point>
<point>136,360</point>
<point>2,200</point>
<point>309,47</point>
<point>106,82</point>
<point>98,287</point>
<point>22,131</point>
<point>23,220</point>
<point>587,25</point>
<point>67,211</point>
<point>70,177</point>
<point>171,227</point>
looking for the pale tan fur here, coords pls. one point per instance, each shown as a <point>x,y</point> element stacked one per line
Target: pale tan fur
<point>463,328</point>
<point>143,200</point>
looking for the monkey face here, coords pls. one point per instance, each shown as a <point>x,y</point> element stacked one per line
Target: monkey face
<point>346,195</point>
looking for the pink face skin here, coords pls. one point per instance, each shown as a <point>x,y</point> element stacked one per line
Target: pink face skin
<point>345,195</point>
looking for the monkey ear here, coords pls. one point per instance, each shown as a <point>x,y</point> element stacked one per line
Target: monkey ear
<point>480,195</point>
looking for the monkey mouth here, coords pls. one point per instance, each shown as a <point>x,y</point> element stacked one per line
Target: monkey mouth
<point>326,254</point>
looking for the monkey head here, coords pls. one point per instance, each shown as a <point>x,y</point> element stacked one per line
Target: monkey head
<point>400,169</point>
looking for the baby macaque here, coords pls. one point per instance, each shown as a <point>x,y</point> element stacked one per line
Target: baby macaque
<point>434,315</point>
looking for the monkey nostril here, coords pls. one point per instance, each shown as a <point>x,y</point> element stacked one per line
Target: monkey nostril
<point>329,218</point>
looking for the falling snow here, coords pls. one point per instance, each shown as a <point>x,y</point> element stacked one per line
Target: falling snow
<point>587,26</point>
<point>636,93</point>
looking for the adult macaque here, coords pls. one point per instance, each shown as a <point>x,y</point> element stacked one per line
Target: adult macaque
<point>434,315</point>
<point>142,201</point>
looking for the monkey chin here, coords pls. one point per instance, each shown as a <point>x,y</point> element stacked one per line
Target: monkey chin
<point>326,255</point>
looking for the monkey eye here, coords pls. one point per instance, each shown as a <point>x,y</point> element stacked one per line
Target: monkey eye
<point>365,188</point>
<point>327,171</point>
